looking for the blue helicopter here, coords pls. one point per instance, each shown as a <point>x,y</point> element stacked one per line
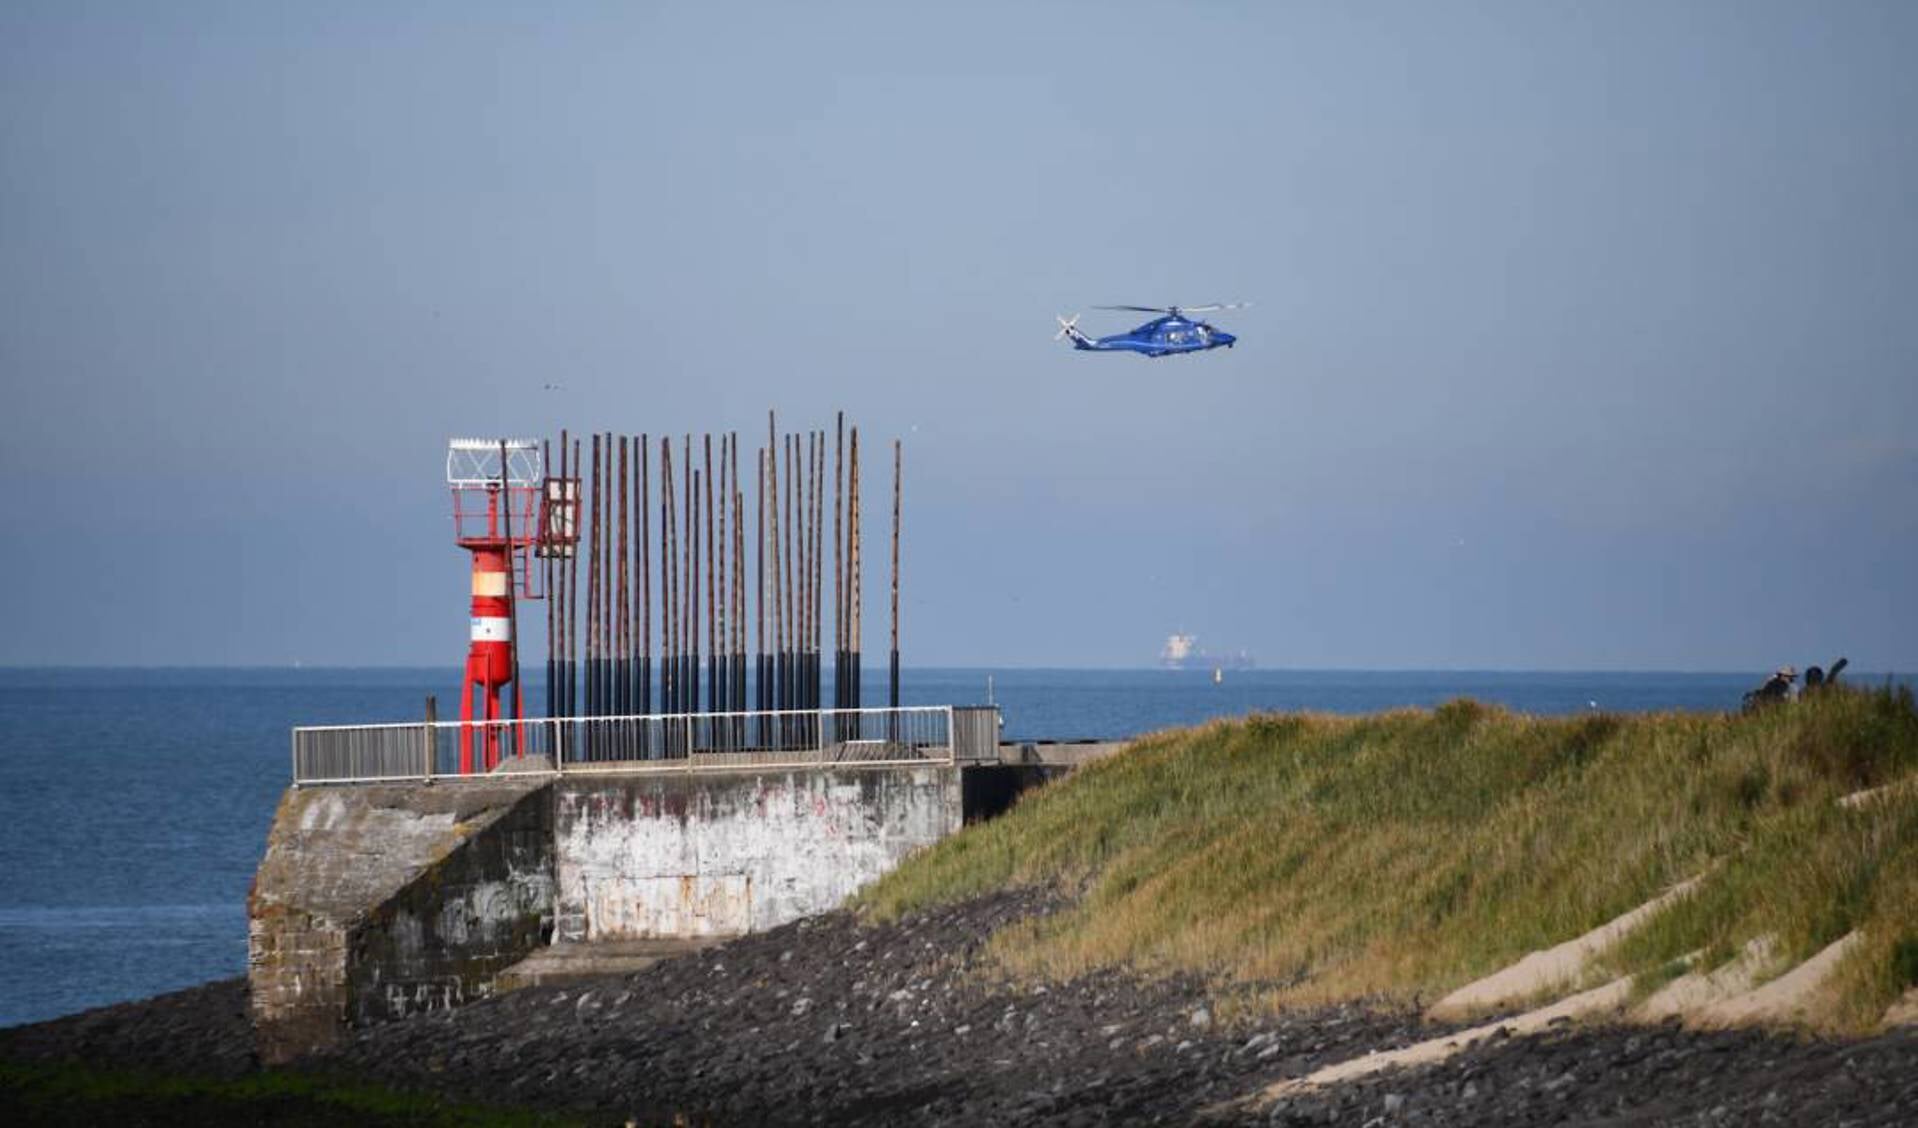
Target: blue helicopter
<point>1173,333</point>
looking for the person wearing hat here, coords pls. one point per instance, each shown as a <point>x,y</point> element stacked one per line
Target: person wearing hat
<point>1781,686</point>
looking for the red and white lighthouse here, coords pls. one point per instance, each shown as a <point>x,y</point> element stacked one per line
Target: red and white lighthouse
<point>498,486</point>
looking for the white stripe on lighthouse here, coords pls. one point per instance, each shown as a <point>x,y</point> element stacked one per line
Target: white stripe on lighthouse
<point>490,583</point>
<point>492,629</point>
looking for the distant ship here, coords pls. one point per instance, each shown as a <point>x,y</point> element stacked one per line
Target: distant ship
<point>1182,652</point>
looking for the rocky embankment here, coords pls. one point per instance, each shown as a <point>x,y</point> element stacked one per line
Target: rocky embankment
<point>831,1021</point>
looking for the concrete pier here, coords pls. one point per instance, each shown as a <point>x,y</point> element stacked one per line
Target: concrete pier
<point>379,901</point>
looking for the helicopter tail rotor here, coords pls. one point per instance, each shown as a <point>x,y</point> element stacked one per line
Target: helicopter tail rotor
<point>1069,329</point>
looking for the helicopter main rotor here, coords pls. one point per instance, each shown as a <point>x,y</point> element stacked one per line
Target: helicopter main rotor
<point>1178,311</point>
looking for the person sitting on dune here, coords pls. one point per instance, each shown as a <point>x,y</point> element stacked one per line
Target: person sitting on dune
<point>1779,687</point>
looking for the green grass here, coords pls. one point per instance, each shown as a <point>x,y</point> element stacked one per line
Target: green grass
<point>1406,853</point>
<point>71,1094</point>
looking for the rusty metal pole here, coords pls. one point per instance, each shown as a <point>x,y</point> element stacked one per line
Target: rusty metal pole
<point>775,662</point>
<point>572,584</point>
<point>805,574</point>
<point>668,601</point>
<point>591,649</point>
<point>795,467</point>
<point>604,539</point>
<point>724,593</point>
<point>858,572</point>
<point>818,566</point>
<point>607,643</point>
<point>545,566</point>
<point>779,586</point>
<point>605,595</point>
<point>603,672</point>
<point>791,680</point>
<point>620,636</point>
<point>682,531</point>
<point>816,666</point>
<point>892,687</point>
<point>712,606</point>
<point>691,564</point>
<point>839,566</point>
<point>645,575</point>
<point>644,682</point>
<point>693,521</point>
<point>636,595</point>
<point>812,585</point>
<point>569,621</point>
<point>762,697</point>
<point>512,594</point>
<point>602,610</point>
<point>592,579</point>
<point>633,551</point>
<point>589,481</point>
<point>739,597</point>
<point>558,596</point>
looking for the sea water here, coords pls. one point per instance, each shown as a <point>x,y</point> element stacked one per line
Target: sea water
<point>136,802</point>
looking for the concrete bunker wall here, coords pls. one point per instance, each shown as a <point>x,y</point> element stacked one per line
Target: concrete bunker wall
<point>421,886</point>
<point>716,855</point>
<point>440,941</point>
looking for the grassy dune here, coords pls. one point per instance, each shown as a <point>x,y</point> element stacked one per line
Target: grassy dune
<point>1404,854</point>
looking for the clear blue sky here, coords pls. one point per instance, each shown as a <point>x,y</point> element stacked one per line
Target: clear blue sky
<point>1584,333</point>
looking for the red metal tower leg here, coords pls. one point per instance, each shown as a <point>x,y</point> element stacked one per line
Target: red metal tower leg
<point>466,725</point>
<point>491,695</point>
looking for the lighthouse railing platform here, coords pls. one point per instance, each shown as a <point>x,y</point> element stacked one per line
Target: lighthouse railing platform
<point>680,742</point>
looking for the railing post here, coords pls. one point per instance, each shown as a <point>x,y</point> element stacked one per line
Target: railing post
<point>952,738</point>
<point>296,757</point>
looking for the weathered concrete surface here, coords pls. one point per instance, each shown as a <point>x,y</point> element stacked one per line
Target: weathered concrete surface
<point>719,855</point>
<point>375,901</point>
<point>1599,1000</point>
<point>570,963</point>
<point>1786,999</point>
<point>1554,968</point>
<point>1059,753</point>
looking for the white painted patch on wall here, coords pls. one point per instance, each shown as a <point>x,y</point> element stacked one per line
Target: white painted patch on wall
<point>691,904</point>
<point>729,854</point>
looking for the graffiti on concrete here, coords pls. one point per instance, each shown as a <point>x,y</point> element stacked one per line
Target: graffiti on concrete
<point>425,996</point>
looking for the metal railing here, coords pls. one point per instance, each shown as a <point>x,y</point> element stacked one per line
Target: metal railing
<point>664,742</point>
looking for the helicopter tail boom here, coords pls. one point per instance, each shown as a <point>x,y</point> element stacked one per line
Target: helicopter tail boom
<point>1069,330</point>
